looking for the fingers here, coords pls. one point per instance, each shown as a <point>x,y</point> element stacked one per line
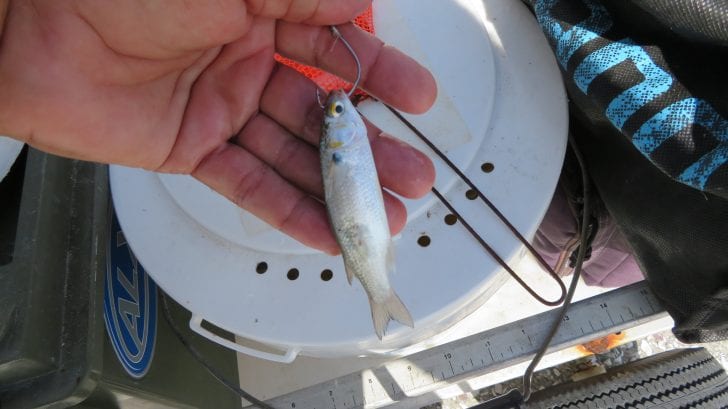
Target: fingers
<point>387,73</point>
<point>314,12</point>
<point>163,29</point>
<point>401,168</point>
<point>290,100</point>
<point>223,98</point>
<point>294,159</point>
<point>257,188</point>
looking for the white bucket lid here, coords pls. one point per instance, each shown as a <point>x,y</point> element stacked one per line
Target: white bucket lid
<point>9,151</point>
<point>500,102</point>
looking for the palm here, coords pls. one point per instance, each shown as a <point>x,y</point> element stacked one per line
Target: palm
<point>197,91</point>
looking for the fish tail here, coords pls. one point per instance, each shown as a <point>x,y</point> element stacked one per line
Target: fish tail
<point>391,308</point>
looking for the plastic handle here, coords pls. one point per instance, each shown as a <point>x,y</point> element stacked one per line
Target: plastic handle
<point>287,358</point>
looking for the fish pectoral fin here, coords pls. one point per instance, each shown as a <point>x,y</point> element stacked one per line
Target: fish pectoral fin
<point>354,234</point>
<point>391,308</point>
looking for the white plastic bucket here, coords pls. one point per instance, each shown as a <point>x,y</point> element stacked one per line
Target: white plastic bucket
<point>500,102</point>
<point>9,151</point>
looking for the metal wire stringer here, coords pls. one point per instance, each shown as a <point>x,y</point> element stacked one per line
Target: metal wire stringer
<point>338,36</point>
<point>497,212</point>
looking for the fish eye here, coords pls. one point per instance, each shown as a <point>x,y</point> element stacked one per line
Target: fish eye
<point>335,109</point>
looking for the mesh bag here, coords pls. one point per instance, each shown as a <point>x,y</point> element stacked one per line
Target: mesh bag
<point>323,79</point>
<point>649,109</point>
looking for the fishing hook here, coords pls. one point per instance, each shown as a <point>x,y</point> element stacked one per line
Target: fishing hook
<point>337,34</point>
<point>318,99</point>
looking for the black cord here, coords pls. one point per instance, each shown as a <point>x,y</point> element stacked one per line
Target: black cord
<point>513,398</point>
<point>528,375</point>
<point>199,358</point>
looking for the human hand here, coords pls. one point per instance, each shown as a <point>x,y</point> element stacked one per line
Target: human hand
<point>192,87</point>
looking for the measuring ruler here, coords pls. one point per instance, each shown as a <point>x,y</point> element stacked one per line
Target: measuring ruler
<point>478,354</point>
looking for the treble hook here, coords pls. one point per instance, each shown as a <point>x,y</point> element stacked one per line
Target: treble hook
<point>337,34</point>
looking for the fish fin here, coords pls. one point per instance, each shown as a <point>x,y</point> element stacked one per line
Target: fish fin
<point>391,264</point>
<point>331,172</point>
<point>349,274</point>
<point>391,308</point>
<point>354,234</point>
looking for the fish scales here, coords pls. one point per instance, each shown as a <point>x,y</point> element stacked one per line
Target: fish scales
<point>356,210</point>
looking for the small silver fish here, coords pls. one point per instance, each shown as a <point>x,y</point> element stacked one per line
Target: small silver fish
<point>356,209</point>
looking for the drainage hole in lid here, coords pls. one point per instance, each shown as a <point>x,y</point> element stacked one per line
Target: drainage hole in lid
<point>451,219</point>
<point>261,268</point>
<point>292,274</point>
<point>327,275</point>
<point>471,194</point>
<point>424,240</point>
<point>487,167</point>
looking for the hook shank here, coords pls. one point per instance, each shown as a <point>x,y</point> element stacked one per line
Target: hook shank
<point>337,34</point>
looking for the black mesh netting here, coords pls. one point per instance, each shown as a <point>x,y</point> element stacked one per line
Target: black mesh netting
<point>699,20</point>
<point>649,101</point>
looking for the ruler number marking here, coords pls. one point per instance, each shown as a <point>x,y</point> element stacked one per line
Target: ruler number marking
<point>628,307</point>
<point>528,337</point>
